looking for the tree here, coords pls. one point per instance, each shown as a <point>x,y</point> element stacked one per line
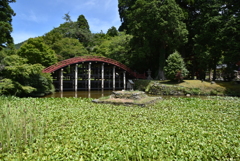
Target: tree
<point>208,38</point>
<point>23,79</point>
<point>52,37</point>
<point>124,8</point>
<point>112,31</point>
<point>82,23</point>
<point>36,51</point>
<point>78,30</point>
<point>175,68</point>
<point>117,48</point>
<point>6,14</point>
<point>68,48</point>
<point>231,33</point>
<point>157,27</point>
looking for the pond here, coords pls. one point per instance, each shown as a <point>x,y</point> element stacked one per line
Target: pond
<point>82,94</point>
<point>97,94</point>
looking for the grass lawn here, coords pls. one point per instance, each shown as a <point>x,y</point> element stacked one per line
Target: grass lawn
<point>77,129</point>
<point>206,87</point>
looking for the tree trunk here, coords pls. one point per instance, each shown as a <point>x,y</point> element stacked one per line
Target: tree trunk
<point>210,74</point>
<point>214,70</point>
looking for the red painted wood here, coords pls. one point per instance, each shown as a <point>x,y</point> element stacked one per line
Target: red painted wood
<point>80,59</point>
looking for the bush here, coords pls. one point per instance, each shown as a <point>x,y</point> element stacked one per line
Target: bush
<point>175,68</point>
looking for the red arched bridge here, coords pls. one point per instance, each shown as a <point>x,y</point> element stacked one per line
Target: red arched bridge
<point>91,72</point>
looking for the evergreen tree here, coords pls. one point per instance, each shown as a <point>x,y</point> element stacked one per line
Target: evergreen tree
<point>6,14</point>
<point>82,23</point>
<point>78,30</point>
<point>157,27</point>
<point>175,68</point>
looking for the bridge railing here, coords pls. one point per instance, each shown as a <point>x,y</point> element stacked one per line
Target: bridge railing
<point>76,60</point>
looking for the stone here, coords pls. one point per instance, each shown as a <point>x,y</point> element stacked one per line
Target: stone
<point>128,98</point>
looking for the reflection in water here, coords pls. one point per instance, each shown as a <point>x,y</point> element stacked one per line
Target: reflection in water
<point>82,94</point>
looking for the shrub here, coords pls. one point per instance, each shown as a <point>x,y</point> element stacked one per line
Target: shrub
<point>175,68</point>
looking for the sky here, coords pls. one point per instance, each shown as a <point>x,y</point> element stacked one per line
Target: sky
<point>36,17</point>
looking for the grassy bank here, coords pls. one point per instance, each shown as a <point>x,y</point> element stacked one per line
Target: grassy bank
<point>76,129</point>
<point>193,87</point>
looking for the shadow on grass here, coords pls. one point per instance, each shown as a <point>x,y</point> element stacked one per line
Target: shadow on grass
<point>231,88</point>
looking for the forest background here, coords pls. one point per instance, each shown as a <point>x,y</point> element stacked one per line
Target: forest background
<point>205,33</point>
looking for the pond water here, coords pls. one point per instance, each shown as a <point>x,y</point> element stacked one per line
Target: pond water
<point>82,94</point>
<point>98,94</point>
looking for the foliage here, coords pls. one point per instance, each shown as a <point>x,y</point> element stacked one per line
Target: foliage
<point>193,87</point>
<point>117,48</point>
<point>231,33</point>
<point>213,34</point>
<point>156,26</point>
<point>175,68</point>
<point>68,48</point>
<point>23,79</point>
<point>78,30</point>
<point>36,51</point>
<point>207,38</point>
<point>76,129</point>
<point>6,14</point>
<point>112,31</point>
<point>52,37</point>
<point>83,23</point>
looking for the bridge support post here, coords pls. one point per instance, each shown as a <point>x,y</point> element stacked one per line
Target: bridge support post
<point>102,76</point>
<point>89,76</point>
<point>61,80</point>
<point>114,77</point>
<point>76,78</point>
<point>124,80</point>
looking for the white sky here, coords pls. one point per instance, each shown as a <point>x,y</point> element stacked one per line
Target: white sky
<point>37,17</point>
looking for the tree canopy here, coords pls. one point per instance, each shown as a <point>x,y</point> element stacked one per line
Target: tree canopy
<point>6,14</point>
<point>205,33</point>
<point>68,48</point>
<point>36,51</point>
<point>156,26</point>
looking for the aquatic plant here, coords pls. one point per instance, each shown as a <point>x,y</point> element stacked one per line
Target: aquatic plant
<point>76,129</point>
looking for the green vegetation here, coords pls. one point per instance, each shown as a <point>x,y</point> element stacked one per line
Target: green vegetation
<point>175,69</point>
<point>6,13</point>
<point>76,129</point>
<point>37,52</point>
<point>22,79</point>
<point>204,33</point>
<point>192,87</point>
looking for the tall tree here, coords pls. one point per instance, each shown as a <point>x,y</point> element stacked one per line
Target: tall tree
<point>231,32</point>
<point>78,30</point>
<point>157,27</point>
<point>124,8</point>
<point>6,14</point>
<point>83,23</point>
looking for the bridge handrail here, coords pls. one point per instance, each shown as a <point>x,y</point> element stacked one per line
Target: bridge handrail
<point>76,60</point>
